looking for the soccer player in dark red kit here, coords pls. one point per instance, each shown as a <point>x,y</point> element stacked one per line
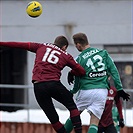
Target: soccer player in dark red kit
<point>106,124</point>
<point>50,60</point>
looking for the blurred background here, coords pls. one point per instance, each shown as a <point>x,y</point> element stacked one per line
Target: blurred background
<point>107,23</point>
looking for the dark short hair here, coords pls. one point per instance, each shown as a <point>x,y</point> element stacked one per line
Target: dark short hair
<point>80,38</point>
<point>61,41</point>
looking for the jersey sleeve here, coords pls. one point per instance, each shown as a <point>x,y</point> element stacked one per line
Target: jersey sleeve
<point>111,68</point>
<point>23,45</point>
<point>76,85</point>
<point>77,69</point>
<point>76,81</point>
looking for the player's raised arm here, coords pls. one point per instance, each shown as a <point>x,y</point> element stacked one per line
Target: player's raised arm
<point>23,45</point>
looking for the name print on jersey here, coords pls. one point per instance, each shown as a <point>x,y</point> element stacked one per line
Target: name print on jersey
<point>50,54</point>
<point>54,46</point>
<point>87,54</point>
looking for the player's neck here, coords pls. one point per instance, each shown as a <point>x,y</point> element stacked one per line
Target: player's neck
<point>85,47</point>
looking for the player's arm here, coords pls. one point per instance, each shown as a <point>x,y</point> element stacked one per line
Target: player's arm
<point>22,45</point>
<point>119,107</point>
<point>114,73</point>
<point>77,69</point>
<point>111,68</point>
<point>76,85</point>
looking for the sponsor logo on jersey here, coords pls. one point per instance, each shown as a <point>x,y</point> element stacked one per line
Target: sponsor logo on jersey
<point>110,98</point>
<point>97,74</point>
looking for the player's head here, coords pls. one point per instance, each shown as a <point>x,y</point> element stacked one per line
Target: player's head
<point>80,41</point>
<point>61,42</point>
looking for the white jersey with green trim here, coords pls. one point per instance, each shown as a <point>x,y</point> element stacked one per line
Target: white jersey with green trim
<point>99,66</point>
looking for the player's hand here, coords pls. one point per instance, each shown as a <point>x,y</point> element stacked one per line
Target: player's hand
<point>70,78</point>
<point>121,123</point>
<point>124,95</point>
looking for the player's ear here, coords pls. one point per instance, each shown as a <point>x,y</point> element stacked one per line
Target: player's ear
<point>64,48</point>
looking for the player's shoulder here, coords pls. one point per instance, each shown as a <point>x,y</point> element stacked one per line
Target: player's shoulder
<point>102,50</point>
<point>97,49</point>
<point>105,51</point>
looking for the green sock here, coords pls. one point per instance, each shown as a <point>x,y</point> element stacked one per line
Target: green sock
<point>68,125</point>
<point>92,129</point>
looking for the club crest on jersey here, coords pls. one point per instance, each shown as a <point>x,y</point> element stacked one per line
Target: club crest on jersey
<point>111,91</point>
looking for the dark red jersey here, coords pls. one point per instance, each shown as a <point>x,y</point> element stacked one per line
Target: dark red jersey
<point>49,61</point>
<point>106,118</point>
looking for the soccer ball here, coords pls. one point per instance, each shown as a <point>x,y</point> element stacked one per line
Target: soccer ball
<point>34,9</point>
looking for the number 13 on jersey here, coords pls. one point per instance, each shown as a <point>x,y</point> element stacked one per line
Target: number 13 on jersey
<point>99,63</point>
